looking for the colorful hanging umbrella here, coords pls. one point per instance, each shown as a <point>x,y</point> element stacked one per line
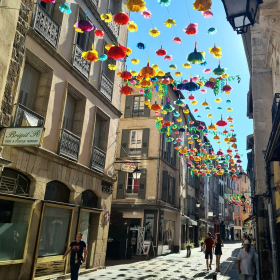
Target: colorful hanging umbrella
<point>161,52</point>
<point>170,22</point>
<point>132,26</point>
<point>146,14</point>
<point>202,5</point>
<point>154,32</point>
<point>121,18</point>
<point>191,29</point>
<point>135,5</point>
<point>177,40</point>
<point>195,57</point>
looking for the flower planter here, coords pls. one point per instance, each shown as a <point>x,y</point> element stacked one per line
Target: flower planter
<point>188,251</point>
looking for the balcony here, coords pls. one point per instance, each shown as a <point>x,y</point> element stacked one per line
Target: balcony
<point>98,158</point>
<point>82,65</point>
<point>106,86</point>
<point>26,117</point>
<point>46,26</point>
<point>69,145</point>
<point>94,3</point>
<point>273,146</point>
<point>113,27</point>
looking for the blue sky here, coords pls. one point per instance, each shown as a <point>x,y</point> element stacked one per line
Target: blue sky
<point>233,59</point>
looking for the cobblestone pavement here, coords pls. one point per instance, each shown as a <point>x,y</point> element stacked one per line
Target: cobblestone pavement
<point>173,267</point>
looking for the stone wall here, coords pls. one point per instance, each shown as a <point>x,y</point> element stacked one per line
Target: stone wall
<point>18,52</point>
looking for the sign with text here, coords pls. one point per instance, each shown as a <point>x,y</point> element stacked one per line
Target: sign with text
<point>23,136</point>
<point>128,166</point>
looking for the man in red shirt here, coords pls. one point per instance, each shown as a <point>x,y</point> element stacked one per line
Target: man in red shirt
<point>208,249</point>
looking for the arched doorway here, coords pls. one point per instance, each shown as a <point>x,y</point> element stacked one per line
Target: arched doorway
<point>14,182</point>
<point>57,191</point>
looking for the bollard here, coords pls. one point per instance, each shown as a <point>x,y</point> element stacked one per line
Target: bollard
<point>214,277</point>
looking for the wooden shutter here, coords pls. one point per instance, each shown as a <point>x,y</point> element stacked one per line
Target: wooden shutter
<point>127,110</point>
<point>163,152</point>
<point>146,109</point>
<point>124,143</point>
<point>121,185</point>
<point>173,191</point>
<point>142,184</point>
<point>145,142</point>
<point>164,185</point>
<point>29,86</point>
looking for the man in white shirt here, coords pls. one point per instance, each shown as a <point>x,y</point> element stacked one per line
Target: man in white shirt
<point>246,262</point>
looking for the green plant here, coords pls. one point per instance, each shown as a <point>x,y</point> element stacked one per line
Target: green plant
<point>189,244</point>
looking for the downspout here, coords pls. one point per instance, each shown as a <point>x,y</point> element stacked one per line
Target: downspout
<point>158,164</point>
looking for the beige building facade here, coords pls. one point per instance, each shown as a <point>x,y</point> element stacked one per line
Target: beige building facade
<point>51,192</point>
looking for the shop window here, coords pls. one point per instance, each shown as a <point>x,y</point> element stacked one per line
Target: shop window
<point>14,221</point>
<point>84,225</point>
<point>13,182</point>
<point>54,232</point>
<point>57,191</point>
<point>89,199</point>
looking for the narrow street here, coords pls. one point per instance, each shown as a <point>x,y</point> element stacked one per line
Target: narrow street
<point>173,266</point>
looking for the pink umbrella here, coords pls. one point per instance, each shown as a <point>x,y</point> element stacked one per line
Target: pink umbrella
<point>146,14</point>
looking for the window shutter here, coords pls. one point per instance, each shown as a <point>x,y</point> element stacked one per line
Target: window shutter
<point>121,185</point>
<point>146,109</point>
<point>142,184</point>
<point>168,190</point>
<point>124,143</point>
<point>145,142</point>
<point>163,152</point>
<point>173,191</point>
<point>127,110</point>
<point>164,185</point>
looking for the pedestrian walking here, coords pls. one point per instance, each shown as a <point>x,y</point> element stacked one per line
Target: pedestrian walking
<point>237,236</point>
<point>246,262</point>
<point>78,249</point>
<point>208,250</point>
<point>218,244</point>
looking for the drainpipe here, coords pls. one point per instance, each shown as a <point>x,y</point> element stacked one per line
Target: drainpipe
<point>158,164</point>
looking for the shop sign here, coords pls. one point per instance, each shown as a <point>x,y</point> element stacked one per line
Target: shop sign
<point>23,136</point>
<point>128,166</point>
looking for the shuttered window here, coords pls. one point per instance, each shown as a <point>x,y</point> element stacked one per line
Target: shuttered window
<point>135,145</point>
<point>138,106</point>
<point>29,86</point>
<point>164,186</point>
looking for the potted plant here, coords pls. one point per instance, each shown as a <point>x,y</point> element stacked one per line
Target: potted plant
<point>189,246</point>
<point>201,244</point>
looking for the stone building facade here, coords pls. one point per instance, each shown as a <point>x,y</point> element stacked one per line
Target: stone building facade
<point>51,191</point>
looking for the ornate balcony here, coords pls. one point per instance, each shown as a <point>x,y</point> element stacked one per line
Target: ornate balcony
<point>98,158</point>
<point>106,86</point>
<point>94,3</point>
<point>46,26</point>
<point>113,27</point>
<point>82,65</point>
<point>69,145</point>
<point>26,117</point>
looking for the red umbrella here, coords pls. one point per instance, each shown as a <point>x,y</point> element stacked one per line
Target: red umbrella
<point>161,52</point>
<point>221,122</point>
<point>117,52</point>
<point>121,18</point>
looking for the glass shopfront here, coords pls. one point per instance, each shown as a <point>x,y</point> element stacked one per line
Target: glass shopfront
<point>15,218</point>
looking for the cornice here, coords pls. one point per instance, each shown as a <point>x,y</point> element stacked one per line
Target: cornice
<point>51,51</point>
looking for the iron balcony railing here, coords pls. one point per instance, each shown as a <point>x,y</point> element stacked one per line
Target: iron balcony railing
<point>26,117</point>
<point>106,86</point>
<point>98,158</point>
<point>16,186</point>
<point>82,65</point>
<point>69,145</point>
<point>46,26</point>
<point>94,3</point>
<point>113,27</point>
<point>275,106</point>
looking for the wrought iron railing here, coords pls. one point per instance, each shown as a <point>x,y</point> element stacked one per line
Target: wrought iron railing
<point>275,106</point>
<point>106,86</point>
<point>98,158</point>
<point>17,186</point>
<point>94,2</point>
<point>46,26</point>
<point>24,114</point>
<point>82,65</point>
<point>69,145</point>
<point>113,27</point>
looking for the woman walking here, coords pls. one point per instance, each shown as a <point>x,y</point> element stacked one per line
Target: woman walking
<point>218,244</point>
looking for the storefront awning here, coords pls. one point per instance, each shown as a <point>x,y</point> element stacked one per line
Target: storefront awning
<point>192,222</point>
<point>184,220</point>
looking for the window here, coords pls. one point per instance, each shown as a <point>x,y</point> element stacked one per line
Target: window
<point>14,182</point>
<point>89,199</point>
<point>238,210</point>
<point>49,7</point>
<point>138,106</point>
<point>84,225</point>
<point>135,144</point>
<point>164,146</point>
<point>84,40</point>
<point>110,74</point>
<point>101,131</point>
<point>237,187</point>
<point>239,222</point>
<point>69,113</point>
<point>132,186</point>
<point>168,188</point>
<point>14,220</point>
<point>54,231</point>
<point>57,191</point>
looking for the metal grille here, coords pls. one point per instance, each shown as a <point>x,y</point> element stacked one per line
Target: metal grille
<point>46,26</point>
<point>94,2</point>
<point>98,159</point>
<point>18,186</point>
<point>21,110</point>
<point>69,145</point>
<point>106,86</point>
<point>113,27</point>
<point>82,65</point>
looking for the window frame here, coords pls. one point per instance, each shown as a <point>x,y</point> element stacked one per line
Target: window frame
<point>139,107</point>
<point>132,194</point>
<point>22,200</point>
<point>129,146</point>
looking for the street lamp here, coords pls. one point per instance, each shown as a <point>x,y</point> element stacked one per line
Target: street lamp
<point>244,210</point>
<point>136,173</point>
<point>243,198</point>
<point>241,13</point>
<point>197,205</point>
